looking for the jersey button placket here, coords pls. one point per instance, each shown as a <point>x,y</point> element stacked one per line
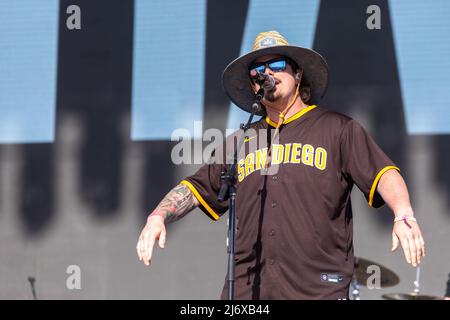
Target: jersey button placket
<point>271,245</point>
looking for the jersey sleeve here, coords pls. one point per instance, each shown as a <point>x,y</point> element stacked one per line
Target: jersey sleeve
<point>205,185</point>
<point>363,161</point>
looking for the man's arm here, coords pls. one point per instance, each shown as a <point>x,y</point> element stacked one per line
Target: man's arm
<point>174,206</point>
<point>394,192</point>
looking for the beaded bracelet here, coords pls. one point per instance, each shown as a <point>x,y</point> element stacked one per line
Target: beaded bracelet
<point>405,218</point>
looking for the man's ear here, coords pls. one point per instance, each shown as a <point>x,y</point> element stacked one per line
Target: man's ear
<point>305,94</point>
<point>298,74</point>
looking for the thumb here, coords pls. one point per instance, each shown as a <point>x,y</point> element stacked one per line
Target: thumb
<point>162,239</point>
<point>395,241</point>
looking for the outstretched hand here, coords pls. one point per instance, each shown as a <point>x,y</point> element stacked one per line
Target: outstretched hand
<point>408,234</point>
<point>153,230</point>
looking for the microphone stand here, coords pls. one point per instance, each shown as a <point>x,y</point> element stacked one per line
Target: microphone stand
<point>228,191</point>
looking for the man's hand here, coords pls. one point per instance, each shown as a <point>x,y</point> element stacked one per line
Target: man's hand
<point>409,235</point>
<point>393,189</point>
<point>175,205</point>
<point>153,230</point>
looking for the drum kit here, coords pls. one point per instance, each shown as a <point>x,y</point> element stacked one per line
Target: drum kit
<point>388,278</point>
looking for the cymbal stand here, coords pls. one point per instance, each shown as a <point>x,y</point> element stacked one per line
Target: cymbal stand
<point>354,287</point>
<point>417,282</point>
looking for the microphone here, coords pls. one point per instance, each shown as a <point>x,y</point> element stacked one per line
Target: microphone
<point>264,80</point>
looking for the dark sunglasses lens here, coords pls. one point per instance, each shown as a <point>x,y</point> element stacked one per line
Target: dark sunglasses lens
<point>259,68</point>
<point>278,65</point>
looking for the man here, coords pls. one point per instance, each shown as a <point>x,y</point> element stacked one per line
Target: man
<point>294,226</point>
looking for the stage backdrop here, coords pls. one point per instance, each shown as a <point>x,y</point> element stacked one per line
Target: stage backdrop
<point>91,92</point>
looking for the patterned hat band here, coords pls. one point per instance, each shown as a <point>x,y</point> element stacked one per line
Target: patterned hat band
<point>269,39</point>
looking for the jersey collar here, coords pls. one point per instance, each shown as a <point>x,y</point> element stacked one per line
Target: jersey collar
<point>293,117</point>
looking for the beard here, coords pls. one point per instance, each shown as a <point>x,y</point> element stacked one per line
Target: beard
<point>271,96</point>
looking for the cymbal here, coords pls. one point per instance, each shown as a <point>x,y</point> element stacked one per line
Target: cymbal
<point>410,296</point>
<point>388,277</point>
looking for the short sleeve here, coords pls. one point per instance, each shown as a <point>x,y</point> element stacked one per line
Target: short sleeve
<point>363,161</point>
<point>205,185</point>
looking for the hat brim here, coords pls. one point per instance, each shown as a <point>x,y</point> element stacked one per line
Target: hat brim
<point>237,84</point>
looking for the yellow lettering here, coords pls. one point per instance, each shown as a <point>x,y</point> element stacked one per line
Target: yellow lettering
<point>287,149</point>
<point>241,172</point>
<point>249,163</point>
<point>320,160</point>
<point>277,154</point>
<point>308,154</point>
<point>261,158</point>
<point>296,152</point>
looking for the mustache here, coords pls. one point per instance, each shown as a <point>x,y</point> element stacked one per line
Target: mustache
<point>277,81</point>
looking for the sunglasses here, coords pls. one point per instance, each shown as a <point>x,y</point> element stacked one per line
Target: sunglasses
<point>276,65</point>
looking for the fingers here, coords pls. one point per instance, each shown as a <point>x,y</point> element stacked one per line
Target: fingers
<point>149,241</point>
<point>413,251</point>
<point>411,240</point>
<point>422,243</point>
<point>409,249</point>
<point>162,239</point>
<point>154,230</point>
<point>405,245</point>
<point>141,249</point>
<point>144,247</point>
<point>395,242</point>
<point>138,249</point>
<point>418,247</point>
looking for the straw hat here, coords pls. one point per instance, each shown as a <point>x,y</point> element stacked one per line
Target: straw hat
<point>236,81</point>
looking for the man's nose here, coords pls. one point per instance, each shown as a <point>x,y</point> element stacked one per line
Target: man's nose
<point>267,70</point>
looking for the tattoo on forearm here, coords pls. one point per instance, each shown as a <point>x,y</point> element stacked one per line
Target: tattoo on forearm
<point>176,204</point>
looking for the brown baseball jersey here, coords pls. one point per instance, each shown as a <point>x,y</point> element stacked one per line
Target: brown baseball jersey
<point>294,227</point>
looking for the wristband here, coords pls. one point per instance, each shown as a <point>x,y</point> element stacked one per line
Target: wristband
<point>405,218</point>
